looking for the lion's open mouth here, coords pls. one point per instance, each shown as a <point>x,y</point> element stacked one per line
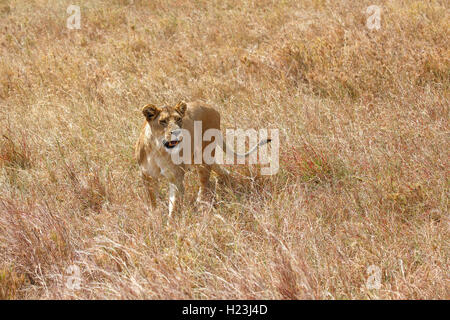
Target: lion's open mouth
<point>171,144</point>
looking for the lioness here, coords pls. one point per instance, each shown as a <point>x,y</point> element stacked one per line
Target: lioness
<point>160,137</point>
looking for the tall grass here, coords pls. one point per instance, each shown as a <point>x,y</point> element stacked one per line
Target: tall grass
<point>363,118</point>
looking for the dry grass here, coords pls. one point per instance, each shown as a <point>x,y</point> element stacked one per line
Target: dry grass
<point>363,175</point>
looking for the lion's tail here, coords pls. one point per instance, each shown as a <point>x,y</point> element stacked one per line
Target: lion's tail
<point>227,149</point>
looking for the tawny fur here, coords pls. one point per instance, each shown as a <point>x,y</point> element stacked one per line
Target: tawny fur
<point>155,162</point>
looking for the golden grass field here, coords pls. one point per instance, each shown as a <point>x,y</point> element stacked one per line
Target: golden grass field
<point>363,117</point>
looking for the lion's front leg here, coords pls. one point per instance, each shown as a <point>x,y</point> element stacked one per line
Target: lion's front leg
<point>151,187</point>
<point>176,190</point>
<point>176,194</point>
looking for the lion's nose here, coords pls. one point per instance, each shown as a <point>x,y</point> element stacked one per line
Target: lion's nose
<point>176,132</point>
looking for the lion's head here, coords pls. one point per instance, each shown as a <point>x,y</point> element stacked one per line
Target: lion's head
<point>166,122</point>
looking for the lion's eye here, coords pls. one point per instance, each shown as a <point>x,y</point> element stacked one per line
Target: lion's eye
<point>163,123</point>
<point>177,119</point>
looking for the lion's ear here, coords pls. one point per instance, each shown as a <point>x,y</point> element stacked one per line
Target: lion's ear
<point>181,108</point>
<point>150,111</point>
